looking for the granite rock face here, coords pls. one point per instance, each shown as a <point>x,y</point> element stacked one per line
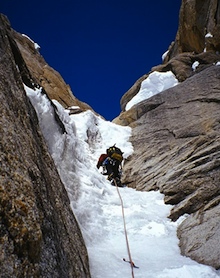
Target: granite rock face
<point>179,129</point>
<point>176,134</point>
<point>199,28</point>
<point>39,235</point>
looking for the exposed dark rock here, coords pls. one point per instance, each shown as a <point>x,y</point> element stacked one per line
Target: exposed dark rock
<point>39,235</point>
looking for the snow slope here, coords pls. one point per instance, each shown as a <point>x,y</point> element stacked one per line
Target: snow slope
<point>155,83</point>
<point>96,204</point>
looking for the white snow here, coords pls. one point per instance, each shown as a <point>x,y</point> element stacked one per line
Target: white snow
<point>165,55</point>
<point>74,107</point>
<point>95,203</point>
<point>208,35</point>
<point>155,83</point>
<point>36,45</point>
<point>195,65</point>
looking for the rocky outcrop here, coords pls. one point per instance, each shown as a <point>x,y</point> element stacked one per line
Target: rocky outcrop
<point>197,39</point>
<point>39,236</point>
<point>199,28</point>
<point>176,134</point>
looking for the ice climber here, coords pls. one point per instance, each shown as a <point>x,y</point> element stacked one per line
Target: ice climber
<point>111,164</point>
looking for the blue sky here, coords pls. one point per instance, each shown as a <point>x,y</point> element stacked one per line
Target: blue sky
<point>99,47</point>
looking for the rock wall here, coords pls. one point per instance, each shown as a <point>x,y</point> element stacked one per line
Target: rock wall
<point>199,28</point>
<point>176,134</point>
<point>39,234</point>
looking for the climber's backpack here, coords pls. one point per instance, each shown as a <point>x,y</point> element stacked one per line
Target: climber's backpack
<point>115,153</point>
<point>102,158</point>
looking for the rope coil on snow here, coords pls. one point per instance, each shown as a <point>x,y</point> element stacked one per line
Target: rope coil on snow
<point>126,236</point>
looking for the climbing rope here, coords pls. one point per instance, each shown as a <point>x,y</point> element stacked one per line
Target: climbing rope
<point>126,236</point>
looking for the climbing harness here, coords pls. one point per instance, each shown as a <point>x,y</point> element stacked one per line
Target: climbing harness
<point>126,236</point>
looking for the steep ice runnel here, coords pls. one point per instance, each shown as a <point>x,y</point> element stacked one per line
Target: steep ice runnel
<point>95,203</point>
